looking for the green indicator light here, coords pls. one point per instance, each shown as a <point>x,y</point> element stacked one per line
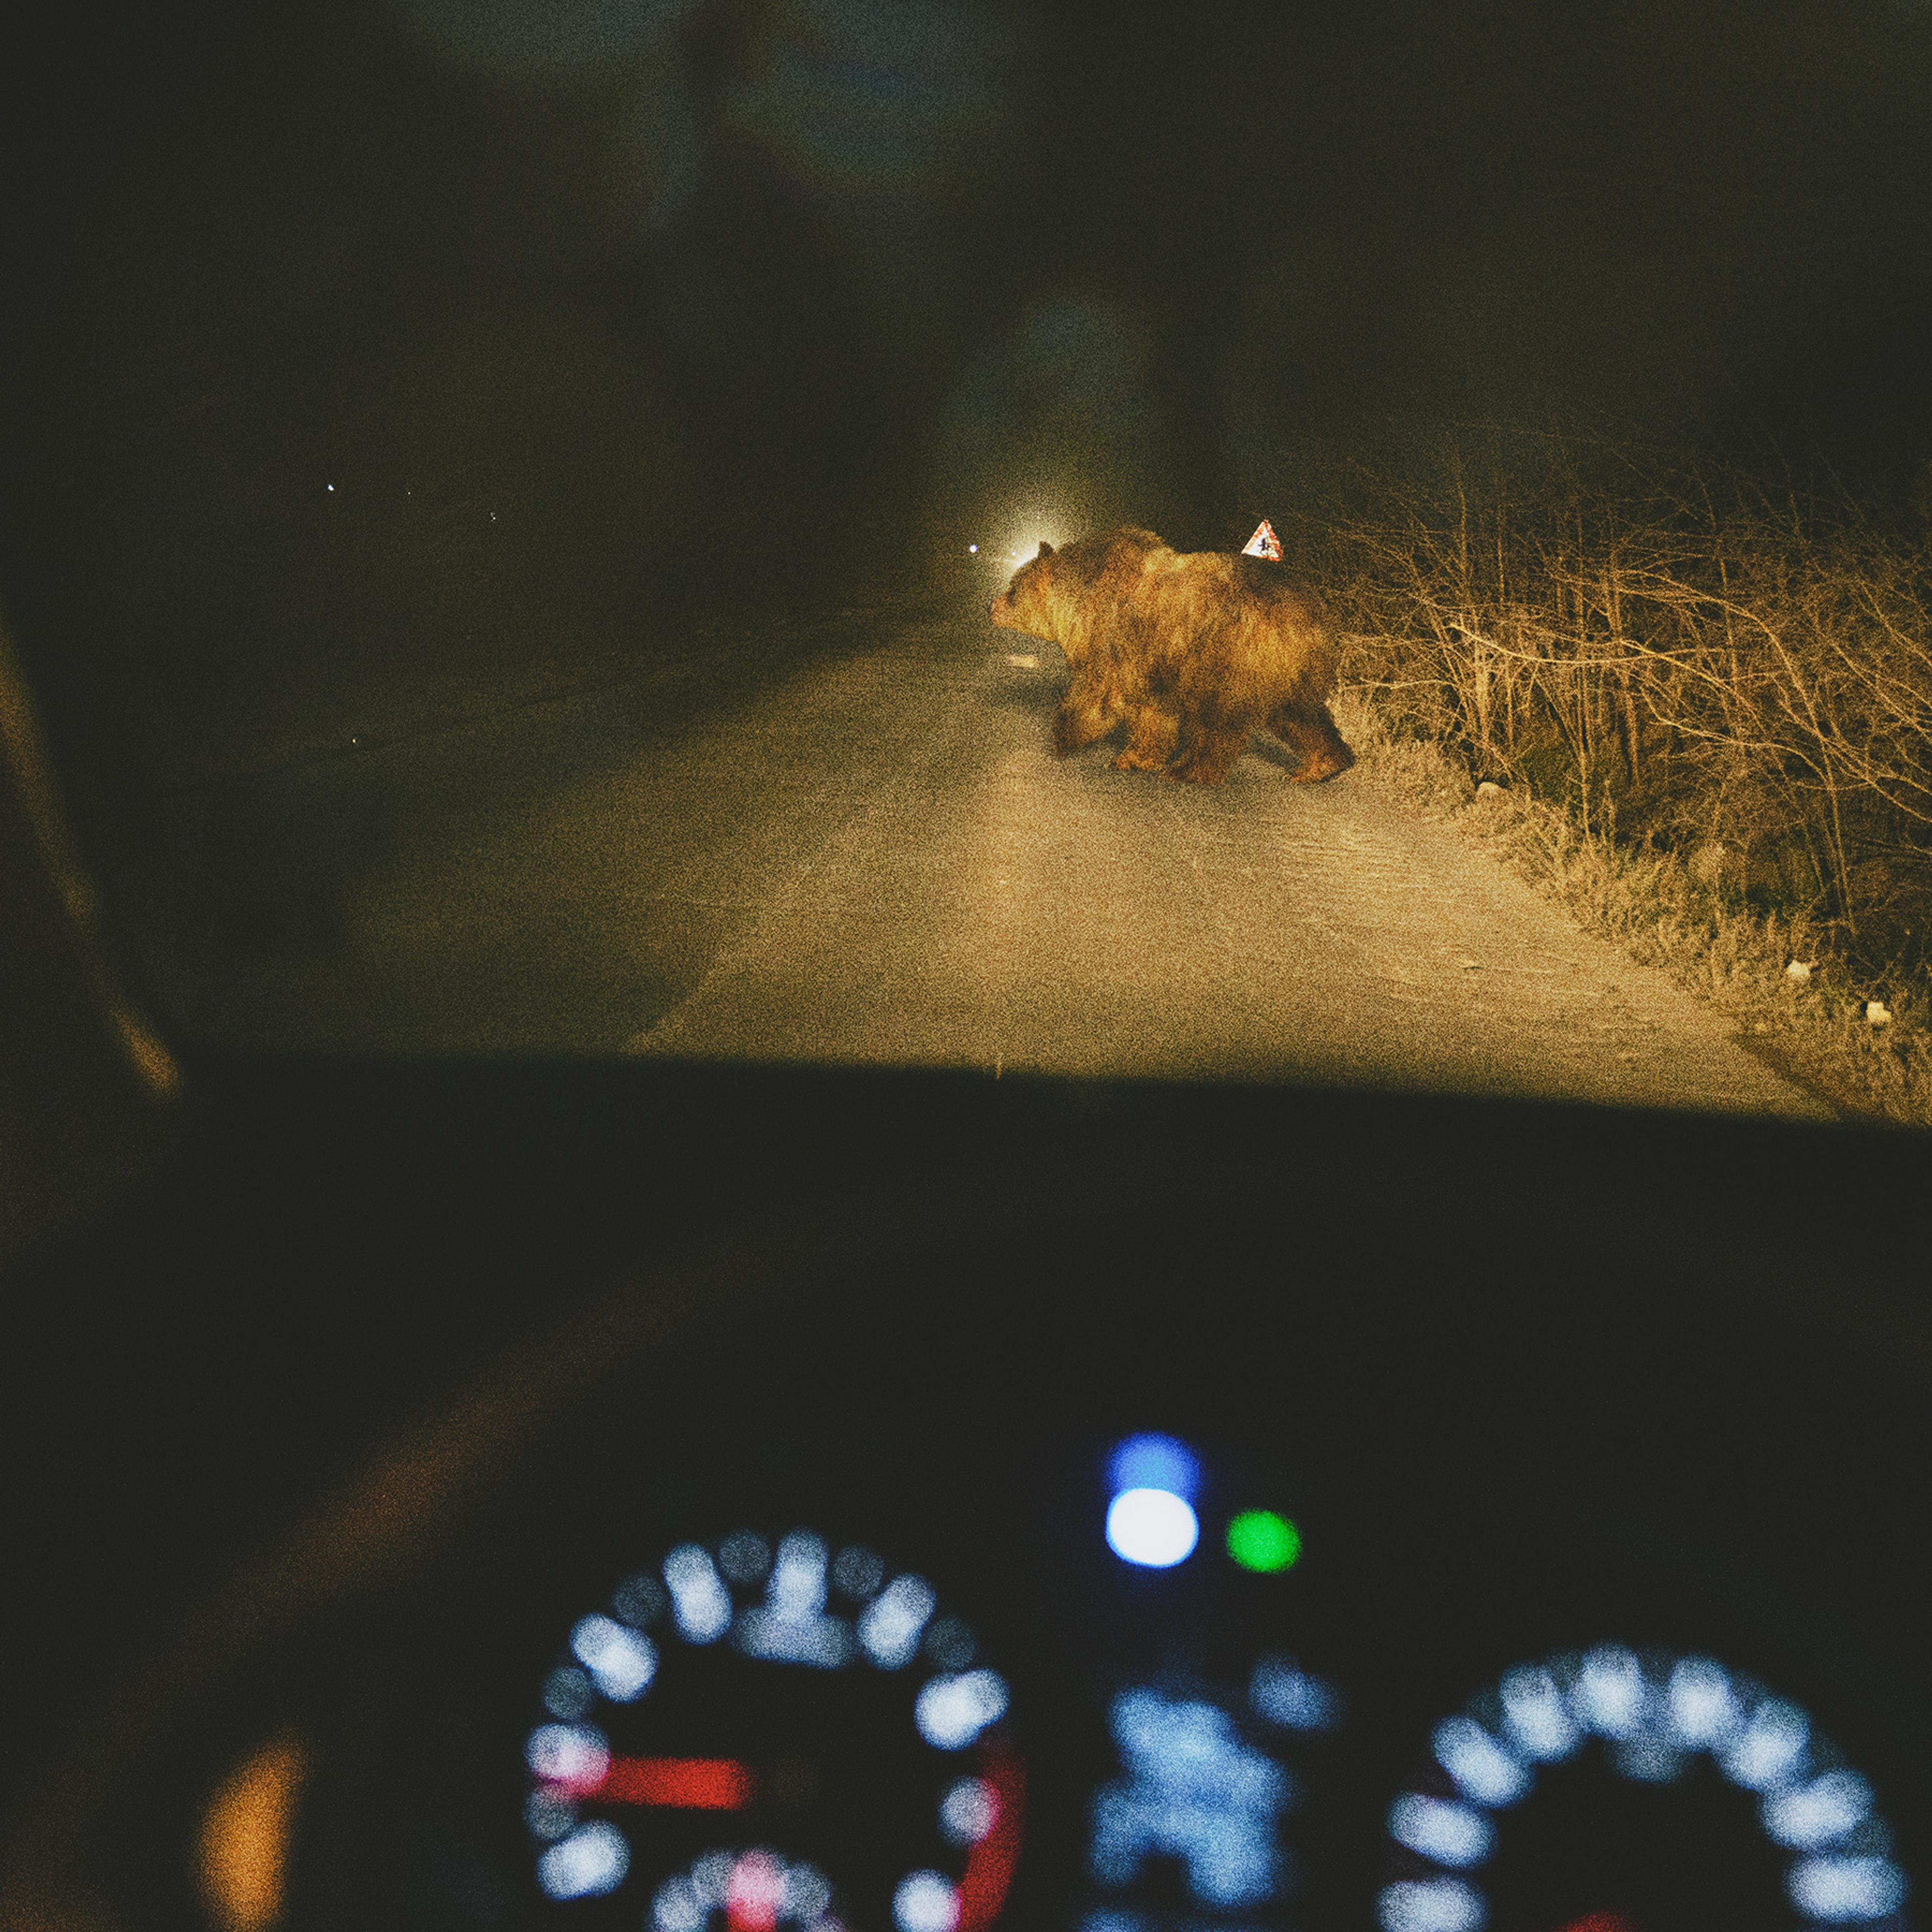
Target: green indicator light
<point>1260,1540</point>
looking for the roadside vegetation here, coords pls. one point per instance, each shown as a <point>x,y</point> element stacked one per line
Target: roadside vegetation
<point>1697,708</point>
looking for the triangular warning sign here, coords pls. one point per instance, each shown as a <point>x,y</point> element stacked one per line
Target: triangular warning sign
<point>1264,542</point>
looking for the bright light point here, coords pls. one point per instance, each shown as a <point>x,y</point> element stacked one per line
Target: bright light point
<point>676,1908</point>
<point>1154,1462</point>
<point>1609,1693</point>
<point>969,1811</point>
<point>1152,1528</point>
<point>952,1712</point>
<point>754,1892</point>
<point>1839,1890</point>
<point>1436,1905</point>
<point>972,549</point>
<point>700,1601</point>
<point>328,486</point>
<point>925,1903</point>
<point>1290,1698</point>
<point>798,1582</point>
<point>586,1865</point>
<point>1701,1708</point>
<point>807,1894</point>
<point>1535,1718</point>
<point>1811,1816</point>
<point>620,1660</point>
<point>573,1755</point>
<point>1484,1772</point>
<point>888,1630</point>
<point>1771,1747</point>
<point>1259,1540</point>
<point>1451,1834</point>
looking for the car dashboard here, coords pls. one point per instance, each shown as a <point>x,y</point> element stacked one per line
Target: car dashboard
<point>1113,1509</point>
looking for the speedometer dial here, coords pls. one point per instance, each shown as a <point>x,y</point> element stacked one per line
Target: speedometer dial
<point>747,1738</point>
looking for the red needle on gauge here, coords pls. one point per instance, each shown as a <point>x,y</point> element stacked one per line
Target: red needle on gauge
<point>672,1783</point>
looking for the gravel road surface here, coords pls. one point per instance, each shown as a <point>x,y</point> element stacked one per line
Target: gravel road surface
<point>871,857</point>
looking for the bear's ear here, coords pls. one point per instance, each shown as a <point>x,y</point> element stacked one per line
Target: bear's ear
<point>1046,549</point>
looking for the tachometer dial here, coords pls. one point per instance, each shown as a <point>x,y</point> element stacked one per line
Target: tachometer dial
<point>746,1738</point>
<point>1625,1794</point>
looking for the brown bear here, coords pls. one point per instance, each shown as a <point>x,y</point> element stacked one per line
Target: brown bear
<point>1195,650</point>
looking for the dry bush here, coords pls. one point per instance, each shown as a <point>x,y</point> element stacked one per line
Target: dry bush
<point>1672,653</point>
<point>1712,706</point>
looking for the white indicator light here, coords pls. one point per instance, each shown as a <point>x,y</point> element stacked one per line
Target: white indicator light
<point>925,1902</point>
<point>586,1865</point>
<point>889,1628</point>
<point>972,549</point>
<point>1435,1905</point>
<point>1534,1715</point>
<point>1451,1834</point>
<point>1609,1692</point>
<point>1701,1707</point>
<point>807,1894</point>
<point>1811,1816</point>
<point>711,1878</point>
<point>1770,1750</point>
<point>1839,1890</point>
<point>755,1890</point>
<point>699,1599</point>
<point>621,1662</point>
<point>1484,1772</point>
<point>969,1811</point>
<point>1154,1528</point>
<point>676,1908</point>
<point>576,1755</point>
<point>952,1712</point>
<point>798,1582</point>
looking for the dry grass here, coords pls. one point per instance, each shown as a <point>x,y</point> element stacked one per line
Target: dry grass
<point>1649,900</point>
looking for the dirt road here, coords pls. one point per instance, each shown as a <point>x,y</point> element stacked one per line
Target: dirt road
<point>872,858</point>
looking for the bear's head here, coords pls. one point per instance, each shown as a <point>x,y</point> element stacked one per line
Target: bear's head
<point>1023,604</point>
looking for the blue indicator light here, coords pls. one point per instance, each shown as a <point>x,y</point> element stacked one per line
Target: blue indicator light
<point>1154,1462</point>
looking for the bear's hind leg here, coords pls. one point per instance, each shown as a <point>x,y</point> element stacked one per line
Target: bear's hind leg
<point>1324,751</point>
<point>1208,752</point>
<point>1152,735</point>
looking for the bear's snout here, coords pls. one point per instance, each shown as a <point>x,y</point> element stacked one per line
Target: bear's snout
<point>1000,612</point>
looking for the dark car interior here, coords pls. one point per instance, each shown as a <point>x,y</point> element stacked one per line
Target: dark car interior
<point>458,1494</point>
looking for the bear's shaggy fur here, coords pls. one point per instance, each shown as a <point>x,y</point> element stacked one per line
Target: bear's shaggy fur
<point>1196,651</point>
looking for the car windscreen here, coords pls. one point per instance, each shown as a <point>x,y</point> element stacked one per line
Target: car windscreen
<point>1061,540</point>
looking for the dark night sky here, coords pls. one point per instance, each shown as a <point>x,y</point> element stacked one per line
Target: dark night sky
<point>679,302</point>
